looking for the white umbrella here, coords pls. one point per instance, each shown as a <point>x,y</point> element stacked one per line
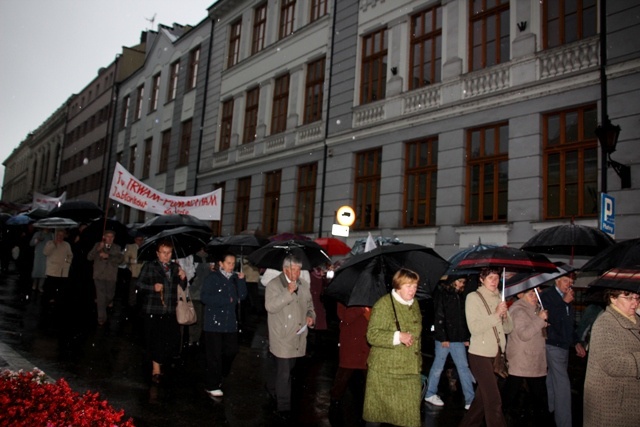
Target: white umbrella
<point>55,222</point>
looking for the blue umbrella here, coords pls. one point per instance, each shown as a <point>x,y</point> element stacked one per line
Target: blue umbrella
<point>21,219</point>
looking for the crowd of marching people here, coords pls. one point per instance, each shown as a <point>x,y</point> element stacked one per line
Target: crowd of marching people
<point>381,350</point>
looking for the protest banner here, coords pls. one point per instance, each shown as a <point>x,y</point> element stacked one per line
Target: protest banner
<point>127,189</point>
<point>47,203</point>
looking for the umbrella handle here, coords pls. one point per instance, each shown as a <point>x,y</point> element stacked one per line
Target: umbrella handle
<point>539,300</point>
<point>504,272</point>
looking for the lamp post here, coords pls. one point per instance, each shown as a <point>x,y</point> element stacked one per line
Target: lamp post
<point>606,132</point>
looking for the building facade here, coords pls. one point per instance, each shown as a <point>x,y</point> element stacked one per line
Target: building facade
<point>159,113</point>
<point>447,122</point>
<point>34,166</point>
<point>443,123</point>
<point>89,129</point>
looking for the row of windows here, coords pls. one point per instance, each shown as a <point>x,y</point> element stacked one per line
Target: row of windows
<point>569,165</point>
<point>84,99</point>
<point>88,125</point>
<point>564,21</point>
<point>154,95</point>
<point>91,152</point>
<point>286,21</point>
<point>314,91</point>
<point>84,185</point>
<point>165,146</point>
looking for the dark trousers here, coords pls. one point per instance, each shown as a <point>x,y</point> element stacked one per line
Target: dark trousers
<point>487,404</point>
<point>162,334</point>
<point>343,378</point>
<point>220,348</point>
<point>279,382</point>
<point>537,396</point>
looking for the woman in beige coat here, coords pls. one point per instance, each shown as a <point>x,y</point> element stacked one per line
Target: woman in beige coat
<point>483,348</point>
<point>59,256</point>
<point>612,383</point>
<point>527,356</point>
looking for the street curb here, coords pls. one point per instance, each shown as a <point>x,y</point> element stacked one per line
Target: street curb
<point>11,360</point>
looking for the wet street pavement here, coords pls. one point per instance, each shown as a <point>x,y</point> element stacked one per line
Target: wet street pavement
<point>67,343</point>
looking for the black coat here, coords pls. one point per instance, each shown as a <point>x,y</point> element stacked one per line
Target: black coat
<point>450,323</point>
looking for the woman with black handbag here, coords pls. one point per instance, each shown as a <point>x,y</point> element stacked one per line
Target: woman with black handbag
<point>488,320</point>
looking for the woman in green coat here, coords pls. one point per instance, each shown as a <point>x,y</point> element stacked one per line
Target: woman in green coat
<point>393,381</point>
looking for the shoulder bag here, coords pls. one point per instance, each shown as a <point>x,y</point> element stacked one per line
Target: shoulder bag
<point>185,312</point>
<point>500,364</point>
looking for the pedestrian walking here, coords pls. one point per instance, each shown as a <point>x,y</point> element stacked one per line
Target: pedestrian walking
<point>39,270</point>
<point>527,358</point>
<point>131,259</point>
<point>352,357</point>
<point>484,324</point>
<point>59,257</point>
<point>392,393</point>
<point>561,336</point>
<point>221,292</point>
<point>107,257</point>
<point>290,315</point>
<point>451,337</point>
<point>158,285</point>
<point>612,383</point>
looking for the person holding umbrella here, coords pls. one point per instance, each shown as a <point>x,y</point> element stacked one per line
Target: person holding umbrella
<point>561,336</point>
<point>612,383</point>
<point>451,337</point>
<point>526,355</point>
<point>158,284</point>
<point>488,320</point>
<point>221,292</point>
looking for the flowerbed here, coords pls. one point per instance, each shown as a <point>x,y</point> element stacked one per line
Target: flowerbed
<point>27,399</point>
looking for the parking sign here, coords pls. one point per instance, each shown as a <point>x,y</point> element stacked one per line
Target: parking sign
<point>607,214</point>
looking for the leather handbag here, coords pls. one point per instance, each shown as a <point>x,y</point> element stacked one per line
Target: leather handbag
<point>500,364</point>
<point>185,312</point>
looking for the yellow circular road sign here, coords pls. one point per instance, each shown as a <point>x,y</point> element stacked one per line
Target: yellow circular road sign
<point>346,216</point>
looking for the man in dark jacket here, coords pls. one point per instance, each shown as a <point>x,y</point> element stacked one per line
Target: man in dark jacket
<point>451,337</point>
<point>560,337</point>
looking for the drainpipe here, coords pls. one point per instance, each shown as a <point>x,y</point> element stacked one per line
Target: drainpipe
<point>325,154</point>
<point>604,106</point>
<point>204,108</point>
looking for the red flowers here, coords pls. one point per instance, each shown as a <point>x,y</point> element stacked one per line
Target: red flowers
<point>26,399</point>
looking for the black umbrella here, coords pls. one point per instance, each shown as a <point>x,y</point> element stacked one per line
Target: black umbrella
<point>366,277</point>
<point>163,222</point>
<point>523,281</point>
<point>569,239</point>
<point>623,254</point>
<point>508,258</point>
<point>461,254</point>
<point>239,244</point>
<point>627,279</point>
<point>93,232</point>
<point>38,213</point>
<point>77,210</point>
<point>186,241</point>
<point>273,254</point>
<point>359,245</point>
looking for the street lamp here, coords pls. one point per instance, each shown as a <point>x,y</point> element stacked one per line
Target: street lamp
<point>608,134</point>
